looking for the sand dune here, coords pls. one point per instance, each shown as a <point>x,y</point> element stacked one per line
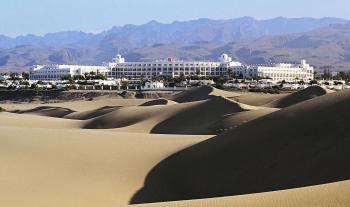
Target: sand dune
<point>66,113</point>
<point>264,156</point>
<point>46,111</point>
<point>302,145</point>
<point>202,93</point>
<point>234,120</point>
<point>142,118</point>
<point>85,115</point>
<point>79,106</point>
<point>281,100</point>
<point>200,118</point>
<point>297,97</point>
<point>334,194</point>
<point>156,116</point>
<point>186,118</point>
<point>34,121</point>
<point>158,102</point>
<point>259,99</point>
<point>71,168</point>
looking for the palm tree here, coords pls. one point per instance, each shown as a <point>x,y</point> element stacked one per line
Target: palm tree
<point>230,73</point>
<point>198,72</point>
<point>142,80</point>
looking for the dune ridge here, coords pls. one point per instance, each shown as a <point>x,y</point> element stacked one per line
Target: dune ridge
<point>156,102</point>
<point>85,115</point>
<point>234,120</point>
<point>34,121</point>
<point>167,118</point>
<point>58,112</point>
<point>269,150</point>
<point>214,113</point>
<point>185,118</point>
<point>78,106</point>
<point>202,93</point>
<point>298,97</point>
<point>272,145</point>
<point>281,100</point>
<point>334,194</point>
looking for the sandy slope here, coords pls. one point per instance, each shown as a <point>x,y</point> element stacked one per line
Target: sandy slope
<point>329,195</point>
<point>281,100</point>
<point>297,97</point>
<point>79,105</point>
<point>212,115</point>
<point>302,145</point>
<point>202,93</point>
<point>234,120</point>
<point>156,102</point>
<point>48,161</point>
<point>46,167</point>
<point>186,118</point>
<point>34,121</point>
<point>85,115</point>
<point>49,111</point>
<point>172,118</point>
<point>259,99</point>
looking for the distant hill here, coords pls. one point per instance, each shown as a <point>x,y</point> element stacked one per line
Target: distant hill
<point>177,32</point>
<point>327,47</point>
<point>322,41</point>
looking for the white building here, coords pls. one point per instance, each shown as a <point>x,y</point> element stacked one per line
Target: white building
<point>56,72</point>
<point>171,68</point>
<point>115,61</point>
<point>4,77</point>
<point>225,66</point>
<point>154,85</point>
<point>278,72</point>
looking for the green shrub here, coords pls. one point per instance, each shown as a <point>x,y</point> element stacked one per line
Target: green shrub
<point>2,109</point>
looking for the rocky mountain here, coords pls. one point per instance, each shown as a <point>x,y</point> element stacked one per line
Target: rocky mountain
<point>327,47</point>
<point>51,39</point>
<point>177,32</point>
<point>324,42</point>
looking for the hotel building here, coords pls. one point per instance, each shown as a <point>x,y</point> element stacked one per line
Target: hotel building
<point>278,72</point>
<point>171,68</point>
<point>56,72</point>
<point>225,66</point>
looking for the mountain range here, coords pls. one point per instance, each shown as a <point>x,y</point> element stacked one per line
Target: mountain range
<point>325,43</point>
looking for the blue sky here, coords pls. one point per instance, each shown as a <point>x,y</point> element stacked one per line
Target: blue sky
<point>18,17</point>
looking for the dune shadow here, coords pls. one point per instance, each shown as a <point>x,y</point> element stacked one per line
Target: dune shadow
<point>298,97</point>
<point>155,102</point>
<point>198,119</point>
<point>194,94</point>
<point>86,115</point>
<point>303,145</point>
<point>49,111</point>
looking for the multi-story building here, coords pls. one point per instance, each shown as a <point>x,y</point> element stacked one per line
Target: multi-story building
<point>278,72</point>
<point>225,66</point>
<point>171,68</point>
<point>56,72</point>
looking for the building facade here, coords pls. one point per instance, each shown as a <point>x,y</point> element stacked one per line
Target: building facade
<point>56,72</point>
<point>225,66</point>
<point>171,68</point>
<point>278,72</point>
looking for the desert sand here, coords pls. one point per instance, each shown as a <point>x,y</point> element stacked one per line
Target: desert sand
<point>334,194</point>
<point>204,147</point>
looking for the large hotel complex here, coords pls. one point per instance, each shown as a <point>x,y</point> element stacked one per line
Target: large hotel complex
<point>225,66</point>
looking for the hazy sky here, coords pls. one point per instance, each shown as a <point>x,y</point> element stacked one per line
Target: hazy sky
<point>19,17</point>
